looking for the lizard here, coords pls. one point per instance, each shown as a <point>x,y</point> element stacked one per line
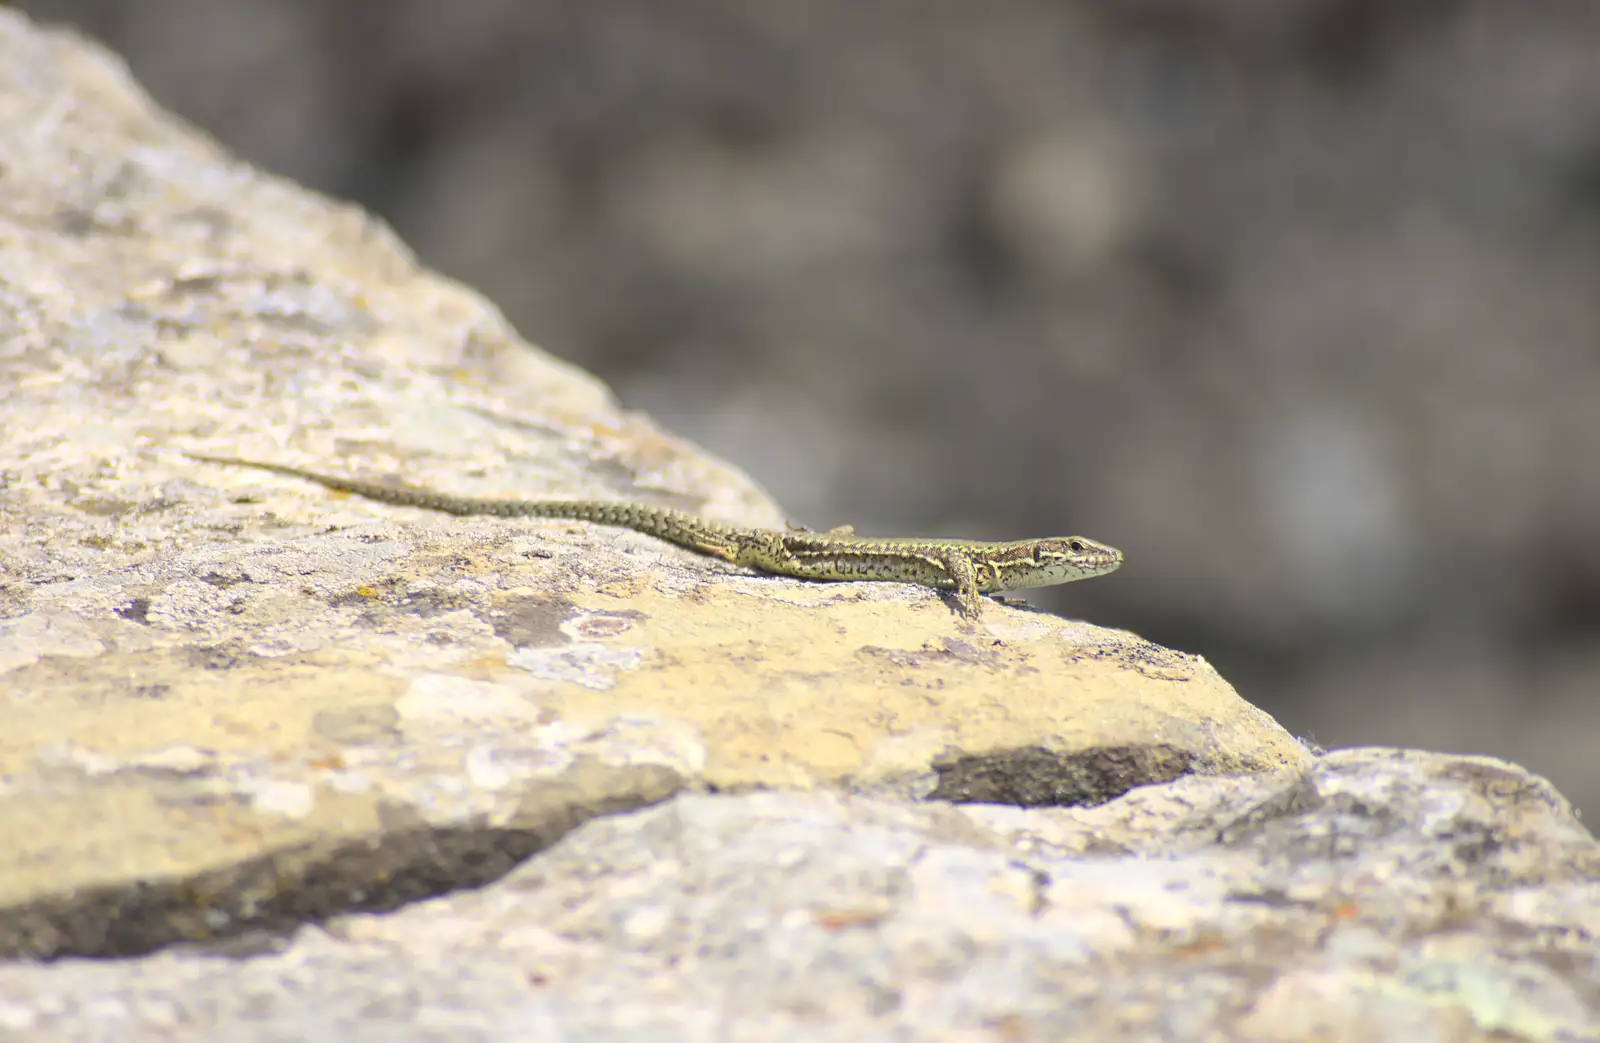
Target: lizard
<point>971,568</point>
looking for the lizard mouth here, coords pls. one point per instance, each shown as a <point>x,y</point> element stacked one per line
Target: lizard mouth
<point>1099,564</point>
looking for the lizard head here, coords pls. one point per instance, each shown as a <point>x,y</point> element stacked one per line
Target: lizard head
<point>1059,559</point>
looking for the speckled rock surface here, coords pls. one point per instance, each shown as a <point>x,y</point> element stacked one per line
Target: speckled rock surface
<point>1384,896</point>
<point>234,700</point>
<point>317,768</point>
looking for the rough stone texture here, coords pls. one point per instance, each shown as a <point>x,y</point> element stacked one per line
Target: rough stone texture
<point>236,702</point>
<point>321,769</point>
<point>1383,896</point>
<point>1292,300</point>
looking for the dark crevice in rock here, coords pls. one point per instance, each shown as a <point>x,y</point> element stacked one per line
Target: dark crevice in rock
<point>276,893</point>
<point>136,611</point>
<point>1033,777</point>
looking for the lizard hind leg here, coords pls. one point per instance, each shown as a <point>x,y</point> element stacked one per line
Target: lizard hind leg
<point>715,546</point>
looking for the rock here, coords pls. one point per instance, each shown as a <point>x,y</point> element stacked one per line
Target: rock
<point>235,701</point>
<point>1385,895</point>
<point>248,717</point>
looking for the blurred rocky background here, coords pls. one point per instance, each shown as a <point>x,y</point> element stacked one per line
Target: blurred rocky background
<point>1296,302</point>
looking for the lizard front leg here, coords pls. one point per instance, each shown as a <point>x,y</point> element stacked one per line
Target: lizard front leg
<point>964,576</point>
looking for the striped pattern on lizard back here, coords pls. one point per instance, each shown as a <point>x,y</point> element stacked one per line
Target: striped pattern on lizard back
<point>969,567</point>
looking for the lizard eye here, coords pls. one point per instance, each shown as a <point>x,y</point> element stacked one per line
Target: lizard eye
<point>1076,546</point>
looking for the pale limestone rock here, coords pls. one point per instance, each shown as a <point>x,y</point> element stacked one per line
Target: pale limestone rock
<point>235,704</point>
<point>347,676</point>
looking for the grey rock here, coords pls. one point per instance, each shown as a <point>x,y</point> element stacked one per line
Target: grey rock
<point>1385,895</point>
<point>299,767</point>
